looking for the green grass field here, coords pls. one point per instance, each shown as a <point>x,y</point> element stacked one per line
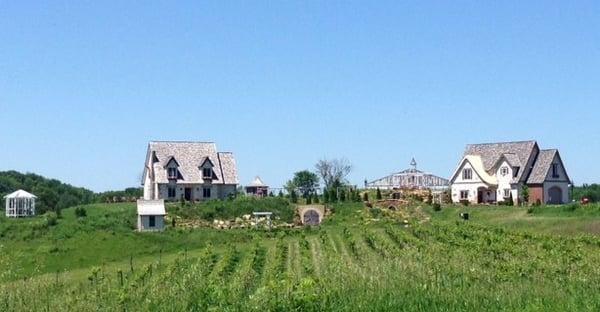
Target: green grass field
<point>502,259</point>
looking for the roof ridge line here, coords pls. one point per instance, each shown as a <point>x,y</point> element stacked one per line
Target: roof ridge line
<point>491,143</point>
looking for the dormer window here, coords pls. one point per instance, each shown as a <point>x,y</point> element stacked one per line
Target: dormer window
<point>207,173</point>
<point>555,171</point>
<point>172,173</point>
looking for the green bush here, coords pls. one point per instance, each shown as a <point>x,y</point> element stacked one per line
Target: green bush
<point>436,207</point>
<point>80,212</point>
<point>51,218</point>
<point>231,209</point>
<point>375,212</point>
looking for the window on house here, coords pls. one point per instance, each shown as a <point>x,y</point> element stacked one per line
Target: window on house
<point>152,221</point>
<point>464,195</point>
<point>172,173</point>
<point>206,192</point>
<point>555,171</point>
<point>467,174</point>
<point>504,171</point>
<point>207,173</point>
<point>506,193</point>
<point>171,192</point>
<point>516,171</point>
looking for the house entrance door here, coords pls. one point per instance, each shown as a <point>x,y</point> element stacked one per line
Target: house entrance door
<point>188,193</point>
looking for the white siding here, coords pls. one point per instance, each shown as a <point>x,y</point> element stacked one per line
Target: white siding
<point>144,223</point>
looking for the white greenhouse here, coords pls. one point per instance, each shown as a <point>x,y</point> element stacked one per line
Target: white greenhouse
<point>20,204</point>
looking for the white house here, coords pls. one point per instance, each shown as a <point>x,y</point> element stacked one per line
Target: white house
<point>20,204</point>
<point>192,171</point>
<point>151,215</point>
<point>497,172</point>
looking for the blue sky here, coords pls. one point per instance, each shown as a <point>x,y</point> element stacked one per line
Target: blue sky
<point>85,85</point>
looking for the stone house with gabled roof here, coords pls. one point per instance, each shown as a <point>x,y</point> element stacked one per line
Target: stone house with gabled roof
<point>496,172</point>
<point>192,171</point>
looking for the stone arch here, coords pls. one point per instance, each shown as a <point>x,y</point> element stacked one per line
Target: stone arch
<point>555,195</point>
<point>311,215</point>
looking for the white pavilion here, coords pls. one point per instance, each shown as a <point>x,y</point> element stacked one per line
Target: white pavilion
<point>20,204</point>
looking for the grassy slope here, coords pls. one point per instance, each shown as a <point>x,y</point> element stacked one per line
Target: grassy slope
<point>559,220</point>
<point>482,265</point>
<point>105,236</point>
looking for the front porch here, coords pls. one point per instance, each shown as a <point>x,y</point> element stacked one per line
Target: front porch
<point>486,195</point>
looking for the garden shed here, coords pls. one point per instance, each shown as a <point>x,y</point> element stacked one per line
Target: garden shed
<point>151,215</point>
<point>20,204</point>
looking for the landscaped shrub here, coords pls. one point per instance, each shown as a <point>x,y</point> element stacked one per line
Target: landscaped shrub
<point>366,196</point>
<point>231,209</point>
<point>293,197</point>
<point>80,212</point>
<point>51,218</point>
<point>378,196</point>
<point>436,207</point>
<point>375,212</point>
<point>465,202</point>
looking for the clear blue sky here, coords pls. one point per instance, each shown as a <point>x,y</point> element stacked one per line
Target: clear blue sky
<point>85,86</point>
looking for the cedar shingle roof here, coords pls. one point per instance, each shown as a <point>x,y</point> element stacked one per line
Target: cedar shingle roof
<point>490,153</point>
<point>542,166</point>
<point>190,156</point>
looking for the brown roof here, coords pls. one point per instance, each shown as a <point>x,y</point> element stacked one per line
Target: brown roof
<point>542,166</point>
<point>515,153</point>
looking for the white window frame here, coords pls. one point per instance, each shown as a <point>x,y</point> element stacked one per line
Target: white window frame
<point>467,174</point>
<point>204,175</point>
<point>506,193</point>
<point>171,170</point>
<point>465,193</point>
<point>504,170</point>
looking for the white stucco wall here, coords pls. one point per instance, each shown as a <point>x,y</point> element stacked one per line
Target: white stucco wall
<point>144,223</point>
<point>459,184</point>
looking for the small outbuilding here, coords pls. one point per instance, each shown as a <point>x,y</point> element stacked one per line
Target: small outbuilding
<point>151,215</point>
<point>257,188</point>
<point>20,204</point>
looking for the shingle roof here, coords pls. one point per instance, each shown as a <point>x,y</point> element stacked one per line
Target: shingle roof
<point>542,166</point>
<point>490,153</point>
<point>190,156</point>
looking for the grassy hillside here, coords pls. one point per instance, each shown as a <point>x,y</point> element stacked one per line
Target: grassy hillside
<point>504,258</point>
<point>54,195</point>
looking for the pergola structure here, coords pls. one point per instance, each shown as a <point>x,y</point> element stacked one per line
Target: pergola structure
<point>20,204</point>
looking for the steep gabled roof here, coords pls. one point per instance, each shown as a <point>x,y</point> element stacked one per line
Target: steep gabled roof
<point>542,166</point>
<point>477,166</point>
<point>257,182</point>
<point>190,156</point>
<point>514,152</point>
